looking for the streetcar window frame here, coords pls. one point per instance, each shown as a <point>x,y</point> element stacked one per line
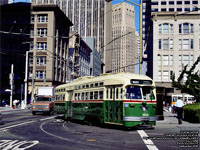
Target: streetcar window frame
<point>83,86</point>
<point>86,95</point>
<point>111,94</point>
<point>107,92</point>
<point>101,84</point>
<point>96,95</point>
<point>117,93</point>
<point>96,84</point>
<point>87,85</point>
<point>82,96</point>
<point>100,94</point>
<point>91,95</point>
<point>92,85</point>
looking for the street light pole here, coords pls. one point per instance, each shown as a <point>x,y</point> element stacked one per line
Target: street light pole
<point>11,85</point>
<point>26,78</point>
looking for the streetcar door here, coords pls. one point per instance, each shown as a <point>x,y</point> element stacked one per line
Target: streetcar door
<point>113,105</point>
<point>70,103</point>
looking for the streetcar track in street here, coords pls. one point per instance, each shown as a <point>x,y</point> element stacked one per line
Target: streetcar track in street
<point>69,140</point>
<point>24,123</point>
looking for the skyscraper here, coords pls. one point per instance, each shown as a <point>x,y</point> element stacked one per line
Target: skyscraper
<point>87,17</point>
<point>123,55</point>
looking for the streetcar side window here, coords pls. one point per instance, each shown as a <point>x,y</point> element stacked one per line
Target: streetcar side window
<point>107,93</point>
<point>86,95</point>
<point>117,93</point>
<point>121,93</point>
<point>100,94</point>
<point>96,95</point>
<point>110,93</point>
<point>76,96</point>
<point>82,96</point>
<point>91,95</point>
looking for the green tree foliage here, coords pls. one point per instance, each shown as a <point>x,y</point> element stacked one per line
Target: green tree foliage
<point>192,84</point>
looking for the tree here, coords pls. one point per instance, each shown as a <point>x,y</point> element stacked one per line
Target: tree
<point>192,84</point>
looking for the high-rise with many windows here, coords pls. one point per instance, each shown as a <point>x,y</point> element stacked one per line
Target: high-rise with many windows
<point>88,18</point>
<point>124,53</point>
<point>172,37</point>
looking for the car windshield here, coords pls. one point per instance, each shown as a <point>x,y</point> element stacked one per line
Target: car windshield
<point>133,92</point>
<point>148,93</point>
<point>44,99</point>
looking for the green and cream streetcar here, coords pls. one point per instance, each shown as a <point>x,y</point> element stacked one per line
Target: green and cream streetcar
<point>124,98</point>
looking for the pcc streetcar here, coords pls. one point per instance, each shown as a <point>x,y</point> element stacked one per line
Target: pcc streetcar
<point>124,99</point>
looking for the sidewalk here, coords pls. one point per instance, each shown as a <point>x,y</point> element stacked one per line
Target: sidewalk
<point>9,109</point>
<point>171,121</point>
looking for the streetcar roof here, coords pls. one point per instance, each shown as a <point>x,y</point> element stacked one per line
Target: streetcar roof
<point>108,79</point>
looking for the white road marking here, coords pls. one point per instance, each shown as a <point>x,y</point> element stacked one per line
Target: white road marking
<point>150,145</point>
<point>24,123</point>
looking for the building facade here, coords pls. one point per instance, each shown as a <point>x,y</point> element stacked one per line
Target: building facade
<point>171,38</point>
<point>88,17</point>
<point>79,57</point>
<point>49,39</point>
<point>124,51</point>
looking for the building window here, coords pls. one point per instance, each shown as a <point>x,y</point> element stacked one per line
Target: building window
<point>165,75</point>
<point>31,46</point>
<point>185,60</point>
<point>42,18</point>
<point>159,59</point>
<point>154,10</point>
<point>160,44</point>
<point>179,9</point>
<point>171,60</point>
<point>191,44</point>
<point>165,60</point>
<point>187,9</point>
<point>171,2</point>
<point>187,2</point>
<point>180,60</point>
<point>186,28</point>
<point>31,32</point>
<point>180,44</point>
<point>163,9</point>
<point>163,3</point>
<point>171,44</point>
<point>199,44</point>
<point>30,60</point>
<point>40,74</point>
<point>154,3</point>
<point>165,44</point>
<point>171,9</point>
<point>41,60</point>
<point>165,28</point>
<point>42,32</point>
<point>194,2</point>
<point>179,2</point>
<point>41,46</point>
<point>32,18</point>
<point>185,44</point>
<point>191,60</point>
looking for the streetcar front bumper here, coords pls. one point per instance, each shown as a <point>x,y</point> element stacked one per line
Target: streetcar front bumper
<point>131,118</point>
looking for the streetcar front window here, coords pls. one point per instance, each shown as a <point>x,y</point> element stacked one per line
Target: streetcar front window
<point>148,93</point>
<point>133,92</point>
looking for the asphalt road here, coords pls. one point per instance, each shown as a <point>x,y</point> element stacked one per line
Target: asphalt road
<point>21,130</point>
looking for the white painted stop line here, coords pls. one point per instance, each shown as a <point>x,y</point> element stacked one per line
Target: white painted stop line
<point>150,145</point>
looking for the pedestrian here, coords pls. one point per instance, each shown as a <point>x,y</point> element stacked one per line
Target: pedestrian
<point>179,110</point>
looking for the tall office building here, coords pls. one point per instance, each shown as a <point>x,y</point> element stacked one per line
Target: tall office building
<point>173,40</point>
<point>87,17</point>
<point>124,52</point>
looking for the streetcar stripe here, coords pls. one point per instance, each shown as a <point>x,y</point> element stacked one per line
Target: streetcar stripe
<point>150,145</point>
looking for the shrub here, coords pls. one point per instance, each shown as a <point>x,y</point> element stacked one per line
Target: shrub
<point>192,113</point>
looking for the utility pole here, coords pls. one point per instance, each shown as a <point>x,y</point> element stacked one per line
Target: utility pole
<point>26,80</point>
<point>76,58</point>
<point>11,84</point>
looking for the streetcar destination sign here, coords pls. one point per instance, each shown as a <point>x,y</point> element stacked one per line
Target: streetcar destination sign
<point>133,81</point>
